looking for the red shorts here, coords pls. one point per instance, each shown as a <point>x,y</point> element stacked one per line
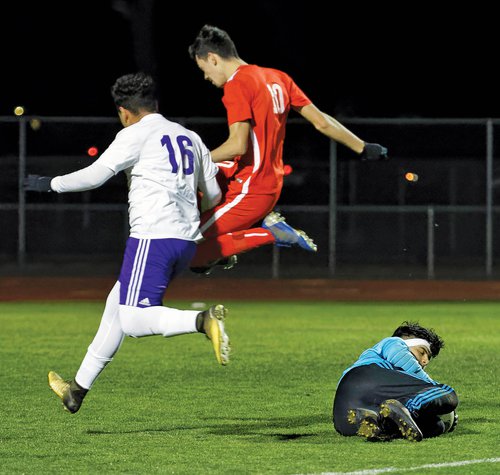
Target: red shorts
<point>237,212</point>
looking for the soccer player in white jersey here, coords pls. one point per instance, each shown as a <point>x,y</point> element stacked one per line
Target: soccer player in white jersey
<point>166,165</point>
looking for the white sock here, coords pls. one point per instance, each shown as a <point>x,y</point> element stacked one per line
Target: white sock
<point>105,344</point>
<point>91,367</point>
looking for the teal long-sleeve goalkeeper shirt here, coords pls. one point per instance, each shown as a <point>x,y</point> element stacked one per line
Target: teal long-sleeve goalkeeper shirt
<point>392,353</point>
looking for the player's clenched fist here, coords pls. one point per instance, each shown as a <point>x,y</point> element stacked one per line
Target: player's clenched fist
<point>374,151</point>
<point>37,183</point>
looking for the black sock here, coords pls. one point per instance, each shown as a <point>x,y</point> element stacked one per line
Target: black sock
<point>199,323</point>
<point>75,387</point>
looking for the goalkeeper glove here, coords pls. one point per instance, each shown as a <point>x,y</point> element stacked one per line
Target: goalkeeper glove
<point>374,151</point>
<point>37,183</point>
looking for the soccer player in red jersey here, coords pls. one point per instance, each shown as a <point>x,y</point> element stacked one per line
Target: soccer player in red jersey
<point>257,101</point>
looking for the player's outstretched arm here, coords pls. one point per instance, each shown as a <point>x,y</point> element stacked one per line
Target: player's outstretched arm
<point>85,179</point>
<point>333,129</point>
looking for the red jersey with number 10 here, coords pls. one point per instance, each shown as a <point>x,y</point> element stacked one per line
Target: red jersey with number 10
<point>262,96</point>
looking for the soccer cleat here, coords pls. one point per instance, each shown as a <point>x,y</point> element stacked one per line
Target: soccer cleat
<point>70,392</point>
<point>285,235</point>
<point>226,262</point>
<point>367,421</point>
<point>369,428</point>
<point>213,325</point>
<point>396,412</point>
<point>229,262</point>
<point>355,416</point>
<point>206,270</point>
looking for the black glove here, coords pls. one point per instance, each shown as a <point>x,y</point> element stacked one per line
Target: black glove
<point>374,151</point>
<point>37,183</point>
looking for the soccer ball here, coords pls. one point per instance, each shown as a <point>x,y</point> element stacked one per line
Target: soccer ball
<point>450,421</point>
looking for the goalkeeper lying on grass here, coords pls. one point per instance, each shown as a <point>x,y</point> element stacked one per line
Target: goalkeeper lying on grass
<point>386,394</point>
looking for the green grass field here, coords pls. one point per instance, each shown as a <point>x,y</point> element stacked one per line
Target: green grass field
<point>165,406</point>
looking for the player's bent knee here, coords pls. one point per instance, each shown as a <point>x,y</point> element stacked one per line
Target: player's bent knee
<point>129,321</point>
<point>452,401</point>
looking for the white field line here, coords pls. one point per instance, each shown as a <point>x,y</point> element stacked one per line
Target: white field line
<point>375,471</point>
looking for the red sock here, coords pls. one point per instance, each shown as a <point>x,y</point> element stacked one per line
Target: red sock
<point>230,244</point>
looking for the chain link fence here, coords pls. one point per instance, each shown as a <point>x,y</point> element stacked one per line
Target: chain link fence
<point>368,219</point>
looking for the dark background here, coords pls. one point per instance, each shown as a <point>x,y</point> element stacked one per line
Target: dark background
<point>353,60</point>
<point>366,60</point>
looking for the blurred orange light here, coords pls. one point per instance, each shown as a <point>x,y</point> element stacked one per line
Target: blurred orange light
<point>92,151</point>
<point>411,176</point>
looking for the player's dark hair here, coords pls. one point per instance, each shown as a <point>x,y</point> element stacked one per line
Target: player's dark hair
<point>211,39</point>
<point>135,92</point>
<point>413,329</point>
